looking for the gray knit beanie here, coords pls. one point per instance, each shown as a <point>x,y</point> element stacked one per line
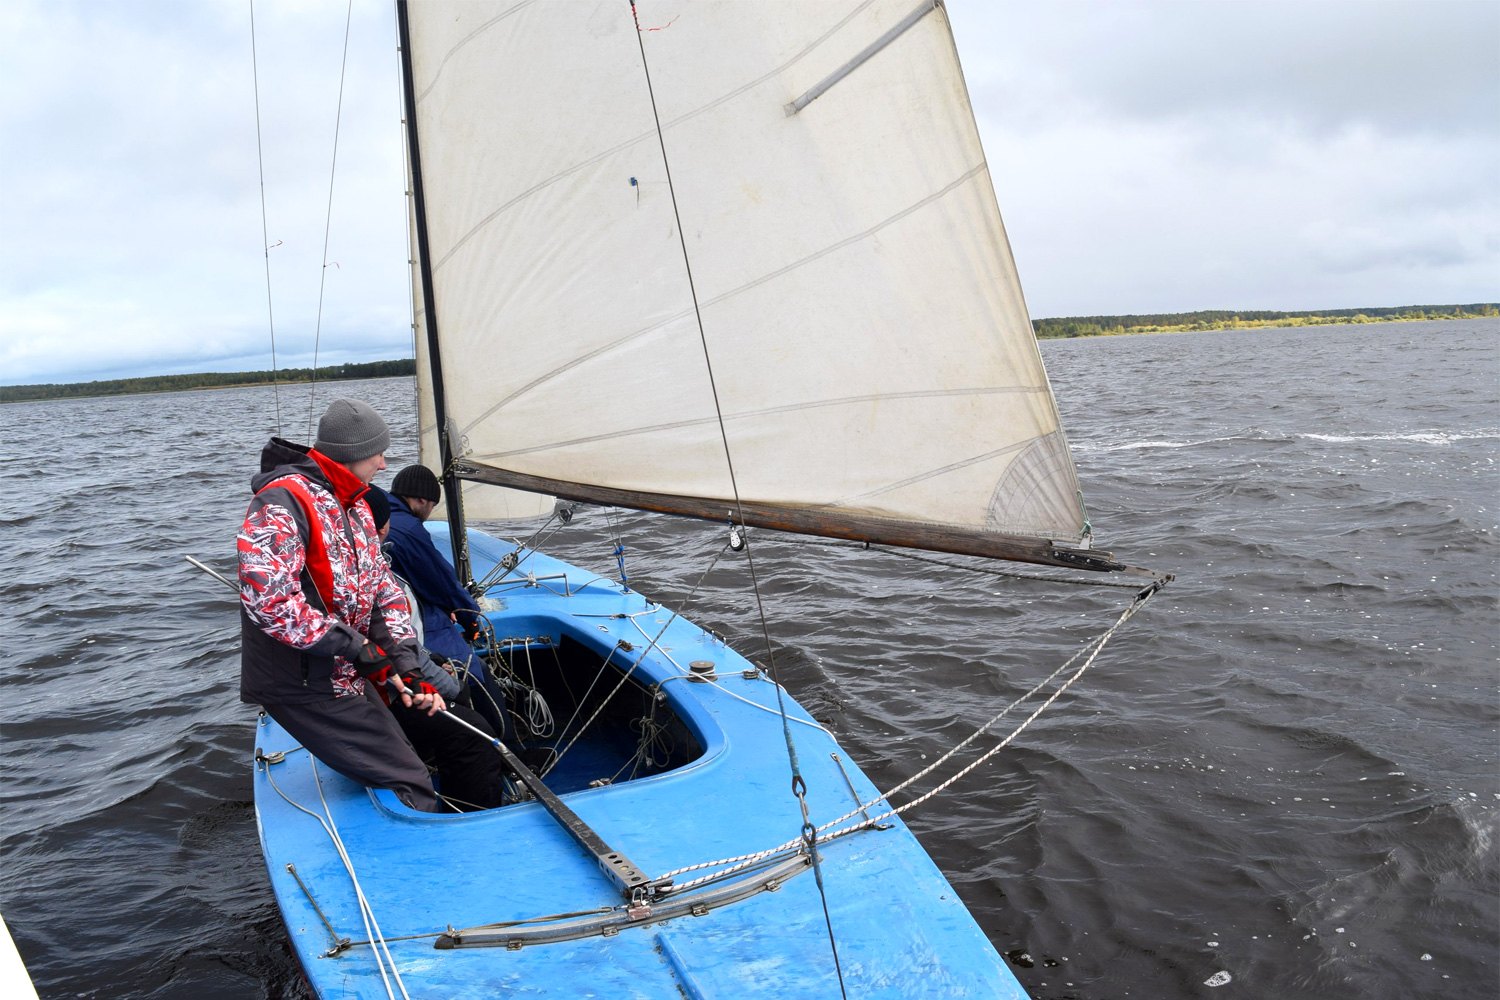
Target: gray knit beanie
<point>351,430</point>
<point>417,482</point>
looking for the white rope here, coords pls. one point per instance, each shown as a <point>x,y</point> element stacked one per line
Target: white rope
<point>1092,648</point>
<point>366,912</point>
<point>537,713</point>
<point>694,678</point>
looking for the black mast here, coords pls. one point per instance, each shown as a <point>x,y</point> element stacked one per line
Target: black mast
<point>457,532</point>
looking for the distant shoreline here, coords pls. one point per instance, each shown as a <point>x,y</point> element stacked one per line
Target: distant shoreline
<point>1223,319</point>
<point>205,380</point>
<point>1046,329</point>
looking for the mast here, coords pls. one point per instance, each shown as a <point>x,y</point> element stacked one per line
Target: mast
<point>458,535</point>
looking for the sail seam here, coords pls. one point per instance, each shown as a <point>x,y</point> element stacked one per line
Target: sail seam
<point>752,414</point>
<point>725,296</point>
<point>486,26</point>
<point>634,140</point>
<point>860,237</point>
<point>934,473</point>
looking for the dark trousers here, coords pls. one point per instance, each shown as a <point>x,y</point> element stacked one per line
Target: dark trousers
<point>360,739</point>
<point>468,766</point>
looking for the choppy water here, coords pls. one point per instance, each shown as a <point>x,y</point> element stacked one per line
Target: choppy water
<point>1284,772</point>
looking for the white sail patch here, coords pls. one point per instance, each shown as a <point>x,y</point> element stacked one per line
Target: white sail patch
<point>1034,485</point>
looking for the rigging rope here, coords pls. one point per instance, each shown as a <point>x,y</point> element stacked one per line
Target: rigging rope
<point>651,643</point>
<point>506,566</point>
<point>380,949</point>
<point>1091,581</point>
<point>266,243</point>
<point>265,238</point>
<point>312,389</point>
<point>537,715</point>
<point>1092,648</point>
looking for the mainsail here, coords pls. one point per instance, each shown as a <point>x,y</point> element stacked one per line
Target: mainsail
<point>738,261</point>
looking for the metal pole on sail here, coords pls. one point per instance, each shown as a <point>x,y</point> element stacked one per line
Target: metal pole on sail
<point>458,535</point>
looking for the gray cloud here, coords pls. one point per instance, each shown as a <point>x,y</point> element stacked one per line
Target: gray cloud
<point>132,207</point>
<point>1148,156</point>
<point>1171,156</point>
<point>1426,66</point>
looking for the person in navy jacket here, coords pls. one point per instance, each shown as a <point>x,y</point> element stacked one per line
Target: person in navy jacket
<point>448,611</point>
<point>449,617</point>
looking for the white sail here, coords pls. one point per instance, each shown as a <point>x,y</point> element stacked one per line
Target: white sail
<point>794,202</point>
<point>480,502</point>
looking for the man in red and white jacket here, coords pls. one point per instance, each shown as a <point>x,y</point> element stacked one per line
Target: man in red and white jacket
<point>322,620</point>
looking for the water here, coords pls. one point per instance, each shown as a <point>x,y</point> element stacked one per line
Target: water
<point>1279,781</point>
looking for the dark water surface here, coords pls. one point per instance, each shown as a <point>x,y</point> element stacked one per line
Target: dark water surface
<point>1283,772</point>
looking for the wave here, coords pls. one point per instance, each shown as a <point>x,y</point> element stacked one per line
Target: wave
<point>1420,437</point>
<point>1088,447</point>
<point>1432,437</point>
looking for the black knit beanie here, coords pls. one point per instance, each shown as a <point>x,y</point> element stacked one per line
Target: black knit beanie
<point>380,507</point>
<point>417,482</point>
<point>350,431</point>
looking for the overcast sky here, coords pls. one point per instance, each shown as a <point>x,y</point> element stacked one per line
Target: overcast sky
<point>1149,157</point>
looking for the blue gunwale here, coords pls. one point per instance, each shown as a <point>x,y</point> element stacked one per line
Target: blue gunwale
<point>900,928</point>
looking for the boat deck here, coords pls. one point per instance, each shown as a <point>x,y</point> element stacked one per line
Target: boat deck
<point>900,929</point>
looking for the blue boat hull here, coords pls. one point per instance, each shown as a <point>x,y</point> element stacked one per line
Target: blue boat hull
<point>435,881</point>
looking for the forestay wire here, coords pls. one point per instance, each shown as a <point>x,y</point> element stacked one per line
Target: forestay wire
<point>799,785</point>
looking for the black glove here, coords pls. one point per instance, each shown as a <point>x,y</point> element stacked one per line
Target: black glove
<point>471,629</point>
<point>372,661</point>
<point>415,685</point>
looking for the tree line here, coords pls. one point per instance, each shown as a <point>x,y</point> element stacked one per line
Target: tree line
<point>205,380</point>
<point>1067,326</point>
<point>1225,319</point>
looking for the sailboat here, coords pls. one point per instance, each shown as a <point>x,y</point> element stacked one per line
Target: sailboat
<point>729,261</point>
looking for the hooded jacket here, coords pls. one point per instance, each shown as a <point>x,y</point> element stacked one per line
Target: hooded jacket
<point>313,585</point>
<point>431,578</point>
